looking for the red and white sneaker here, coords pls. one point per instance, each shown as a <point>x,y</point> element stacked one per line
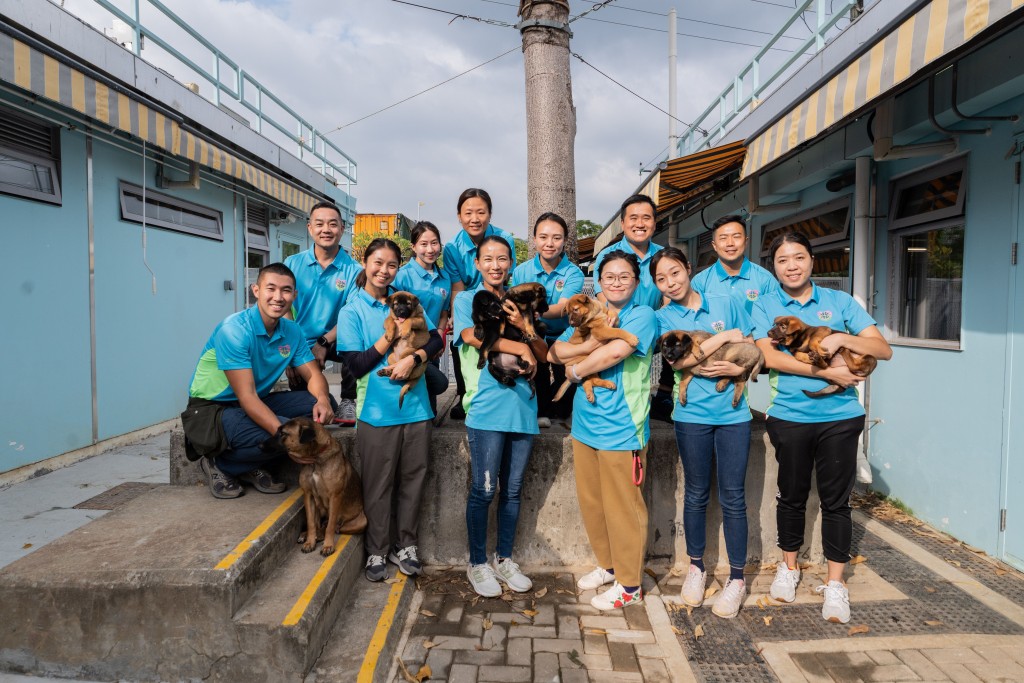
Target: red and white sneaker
<point>617,597</point>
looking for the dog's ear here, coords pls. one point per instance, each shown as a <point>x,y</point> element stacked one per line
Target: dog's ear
<point>307,435</point>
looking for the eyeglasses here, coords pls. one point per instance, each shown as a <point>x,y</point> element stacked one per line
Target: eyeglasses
<point>623,278</point>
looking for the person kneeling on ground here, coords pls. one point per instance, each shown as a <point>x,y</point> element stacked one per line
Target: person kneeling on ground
<point>230,408</point>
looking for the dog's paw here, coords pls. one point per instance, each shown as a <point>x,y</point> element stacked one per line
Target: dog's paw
<point>302,538</point>
<point>384,372</point>
<point>327,550</point>
<point>308,547</point>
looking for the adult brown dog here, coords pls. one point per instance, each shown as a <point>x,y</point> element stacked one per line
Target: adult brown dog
<point>678,343</point>
<point>331,488</point>
<point>804,342</point>
<point>406,327</point>
<point>590,319</point>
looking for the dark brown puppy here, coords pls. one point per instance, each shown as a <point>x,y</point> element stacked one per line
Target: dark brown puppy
<point>532,300</point>
<point>406,327</point>
<point>490,323</point>
<point>804,343</point>
<point>590,319</point>
<point>678,343</point>
<point>331,488</point>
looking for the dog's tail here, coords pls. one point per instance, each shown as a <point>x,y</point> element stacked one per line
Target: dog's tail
<point>756,370</point>
<point>402,393</point>
<point>827,391</point>
<point>561,390</point>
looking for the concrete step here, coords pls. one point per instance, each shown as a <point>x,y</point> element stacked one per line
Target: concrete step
<point>289,618</point>
<point>364,641</point>
<point>148,591</point>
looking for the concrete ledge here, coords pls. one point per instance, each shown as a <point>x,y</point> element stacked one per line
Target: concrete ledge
<point>550,532</point>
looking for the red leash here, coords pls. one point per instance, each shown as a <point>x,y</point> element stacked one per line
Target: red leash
<point>638,469</point>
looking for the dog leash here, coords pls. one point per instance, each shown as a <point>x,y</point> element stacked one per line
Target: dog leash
<point>638,469</point>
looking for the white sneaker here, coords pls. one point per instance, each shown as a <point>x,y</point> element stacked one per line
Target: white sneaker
<point>729,601</point>
<point>595,579</point>
<point>837,602</point>
<point>346,413</point>
<point>481,578</point>
<point>693,588</point>
<point>543,422</point>
<point>507,571</point>
<point>784,586</point>
<point>617,597</point>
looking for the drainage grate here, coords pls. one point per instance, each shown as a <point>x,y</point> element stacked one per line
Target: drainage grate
<point>117,496</point>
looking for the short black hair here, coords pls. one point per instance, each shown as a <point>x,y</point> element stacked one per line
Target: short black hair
<point>673,253</point>
<point>275,269</point>
<point>620,255</point>
<point>638,199</point>
<point>474,192</point>
<point>496,240</point>
<point>551,216</point>
<point>731,218</point>
<point>790,237</point>
<point>325,205</point>
<point>422,227</point>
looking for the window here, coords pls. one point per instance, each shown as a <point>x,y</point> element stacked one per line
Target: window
<point>257,244</point>
<point>290,245</point>
<point>828,228</point>
<point>29,159</point>
<point>706,255</point>
<point>927,246</point>
<point>164,211</point>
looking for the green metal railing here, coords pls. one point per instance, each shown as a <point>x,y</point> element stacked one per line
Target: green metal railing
<point>735,100</point>
<point>227,78</point>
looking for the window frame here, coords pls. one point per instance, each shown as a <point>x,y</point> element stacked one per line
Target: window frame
<point>51,163</point>
<point>901,183</point>
<point>839,240</point>
<point>125,187</point>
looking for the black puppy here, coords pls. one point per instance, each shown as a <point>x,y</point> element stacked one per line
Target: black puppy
<point>490,323</point>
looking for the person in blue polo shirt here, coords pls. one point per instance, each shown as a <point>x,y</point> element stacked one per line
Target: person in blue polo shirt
<point>814,435</point>
<point>422,277</point>
<point>474,212</point>
<point>231,410</point>
<point>610,436</point>
<point>501,422</point>
<point>562,279</point>
<point>324,278</point>
<point>392,443</point>
<point>639,221</point>
<point>733,273</point>
<point>708,429</point>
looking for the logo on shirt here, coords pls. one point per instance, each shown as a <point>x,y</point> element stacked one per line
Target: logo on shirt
<point>559,285</point>
<point>444,292</point>
<point>339,284</point>
<point>718,325</point>
<point>752,295</point>
<point>824,316</point>
<point>285,350</point>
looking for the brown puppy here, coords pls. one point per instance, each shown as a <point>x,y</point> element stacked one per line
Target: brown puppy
<point>590,319</point>
<point>407,328</point>
<point>330,486</point>
<point>531,299</point>
<point>804,342</point>
<point>677,344</point>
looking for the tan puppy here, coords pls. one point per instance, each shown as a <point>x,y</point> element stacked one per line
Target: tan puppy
<point>330,486</point>
<point>804,343</point>
<point>407,328</point>
<point>677,344</point>
<point>590,319</point>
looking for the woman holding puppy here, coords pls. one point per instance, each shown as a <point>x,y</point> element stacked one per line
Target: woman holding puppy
<point>500,423</point>
<point>610,435</point>
<point>816,435</point>
<point>708,428</point>
<point>392,442</point>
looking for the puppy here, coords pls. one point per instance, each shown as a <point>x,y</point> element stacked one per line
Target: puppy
<point>590,319</point>
<point>804,343</point>
<point>407,328</point>
<point>532,300</point>
<point>490,323</point>
<point>677,344</point>
<point>330,486</point>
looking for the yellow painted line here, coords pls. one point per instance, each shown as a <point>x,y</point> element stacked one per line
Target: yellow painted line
<point>240,549</point>
<point>299,608</point>
<point>380,634</point>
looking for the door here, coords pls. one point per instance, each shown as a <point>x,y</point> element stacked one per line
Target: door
<point>1013,501</point>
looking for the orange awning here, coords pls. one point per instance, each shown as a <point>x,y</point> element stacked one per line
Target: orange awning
<point>694,175</point>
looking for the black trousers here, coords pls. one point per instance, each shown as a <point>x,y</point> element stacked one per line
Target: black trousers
<point>460,384</point>
<point>829,450</point>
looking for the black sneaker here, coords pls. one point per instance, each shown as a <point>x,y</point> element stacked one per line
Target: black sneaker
<point>221,485</point>
<point>376,568</point>
<point>457,412</point>
<point>661,409</point>
<point>407,560</point>
<point>263,481</point>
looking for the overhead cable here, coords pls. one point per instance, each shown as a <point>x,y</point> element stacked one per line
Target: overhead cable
<point>457,15</point>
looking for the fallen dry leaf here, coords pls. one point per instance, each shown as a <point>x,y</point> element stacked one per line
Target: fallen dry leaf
<point>689,610</point>
<point>531,613</point>
<point>565,591</point>
<point>488,624</point>
<point>761,603</point>
<point>405,672</point>
<point>597,631</point>
<point>427,644</point>
<point>676,631</point>
<point>933,622</point>
<point>423,673</point>
<point>513,622</point>
<point>650,573</point>
<point>480,648</point>
<point>1000,572</point>
<point>805,565</point>
<point>698,631</point>
<point>859,628</point>
<point>677,571</point>
<point>710,591</point>
<point>767,621</point>
<point>392,580</point>
<point>427,613</point>
<point>929,589</point>
<point>858,559</point>
<point>541,593</point>
<point>955,563</point>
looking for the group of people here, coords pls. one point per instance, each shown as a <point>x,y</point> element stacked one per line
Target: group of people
<point>321,305</point>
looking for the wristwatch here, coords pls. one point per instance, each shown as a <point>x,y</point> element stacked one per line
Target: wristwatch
<point>322,341</point>
<point>416,360</point>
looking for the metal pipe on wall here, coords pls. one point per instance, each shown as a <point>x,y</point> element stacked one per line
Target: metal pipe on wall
<point>861,258</point>
<point>92,287</point>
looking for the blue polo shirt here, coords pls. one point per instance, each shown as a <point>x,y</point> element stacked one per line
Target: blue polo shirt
<point>564,281</point>
<point>432,287</point>
<point>826,306</point>
<point>749,285</point>
<point>459,255</point>
<point>360,324</point>
<point>704,405</point>
<point>617,420</point>
<point>489,404</point>
<point>321,292</point>
<point>241,342</point>
<point>647,293</point>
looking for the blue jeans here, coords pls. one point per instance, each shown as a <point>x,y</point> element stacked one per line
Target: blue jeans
<point>729,445</point>
<point>497,460</point>
<point>245,436</point>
